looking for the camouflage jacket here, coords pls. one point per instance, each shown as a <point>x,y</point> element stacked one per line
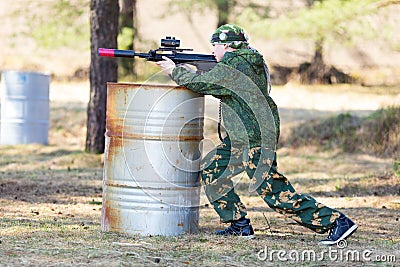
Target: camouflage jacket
<point>249,114</point>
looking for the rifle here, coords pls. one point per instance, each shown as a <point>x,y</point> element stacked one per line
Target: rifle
<point>169,44</point>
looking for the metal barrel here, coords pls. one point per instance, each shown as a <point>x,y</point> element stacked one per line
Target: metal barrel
<point>152,159</point>
<point>24,108</point>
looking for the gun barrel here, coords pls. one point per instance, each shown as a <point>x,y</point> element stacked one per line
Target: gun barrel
<point>106,52</point>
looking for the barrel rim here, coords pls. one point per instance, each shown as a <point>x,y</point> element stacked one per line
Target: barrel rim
<point>140,85</point>
<point>47,74</point>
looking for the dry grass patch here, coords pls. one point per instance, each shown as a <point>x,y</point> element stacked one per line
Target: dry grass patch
<point>50,215</point>
<point>50,209</point>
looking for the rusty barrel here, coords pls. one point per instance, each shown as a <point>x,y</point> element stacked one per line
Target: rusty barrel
<point>152,159</point>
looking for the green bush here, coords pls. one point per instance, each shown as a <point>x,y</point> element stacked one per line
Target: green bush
<point>377,134</point>
<point>64,24</point>
<point>338,131</point>
<point>396,167</point>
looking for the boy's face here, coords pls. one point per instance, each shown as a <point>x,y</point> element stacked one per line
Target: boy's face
<point>219,51</point>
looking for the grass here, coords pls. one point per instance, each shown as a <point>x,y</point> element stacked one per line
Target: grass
<point>378,134</point>
<point>50,208</point>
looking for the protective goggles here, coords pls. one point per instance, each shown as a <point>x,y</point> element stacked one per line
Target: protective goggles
<point>227,37</point>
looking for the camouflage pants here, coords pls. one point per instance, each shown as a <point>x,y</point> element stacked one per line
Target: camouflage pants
<point>225,162</point>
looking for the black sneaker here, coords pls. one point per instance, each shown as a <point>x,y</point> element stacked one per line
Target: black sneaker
<point>343,228</point>
<point>241,227</point>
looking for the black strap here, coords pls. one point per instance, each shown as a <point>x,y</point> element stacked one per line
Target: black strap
<point>219,121</point>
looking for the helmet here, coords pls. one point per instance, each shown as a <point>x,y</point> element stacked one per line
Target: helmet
<point>230,34</point>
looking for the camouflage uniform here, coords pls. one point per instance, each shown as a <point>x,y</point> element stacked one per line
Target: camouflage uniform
<point>252,124</point>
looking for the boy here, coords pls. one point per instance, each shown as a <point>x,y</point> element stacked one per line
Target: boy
<point>241,81</point>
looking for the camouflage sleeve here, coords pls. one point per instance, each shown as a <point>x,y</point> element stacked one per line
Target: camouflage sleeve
<point>212,82</point>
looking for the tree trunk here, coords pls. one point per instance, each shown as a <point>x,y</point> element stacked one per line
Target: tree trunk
<point>127,19</point>
<point>223,7</point>
<point>103,33</point>
<point>126,13</point>
<point>318,64</point>
<point>317,72</point>
<point>317,68</point>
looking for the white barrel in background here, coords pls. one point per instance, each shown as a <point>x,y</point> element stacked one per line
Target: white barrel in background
<point>152,159</point>
<point>24,108</point>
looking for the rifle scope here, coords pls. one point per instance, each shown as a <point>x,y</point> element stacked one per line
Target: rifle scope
<point>170,42</point>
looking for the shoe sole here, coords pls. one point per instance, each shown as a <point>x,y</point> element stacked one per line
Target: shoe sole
<point>346,234</point>
<point>247,237</point>
<point>241,236</point>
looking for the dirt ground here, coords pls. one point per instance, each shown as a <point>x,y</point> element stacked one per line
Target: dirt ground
<point>50,197</point>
